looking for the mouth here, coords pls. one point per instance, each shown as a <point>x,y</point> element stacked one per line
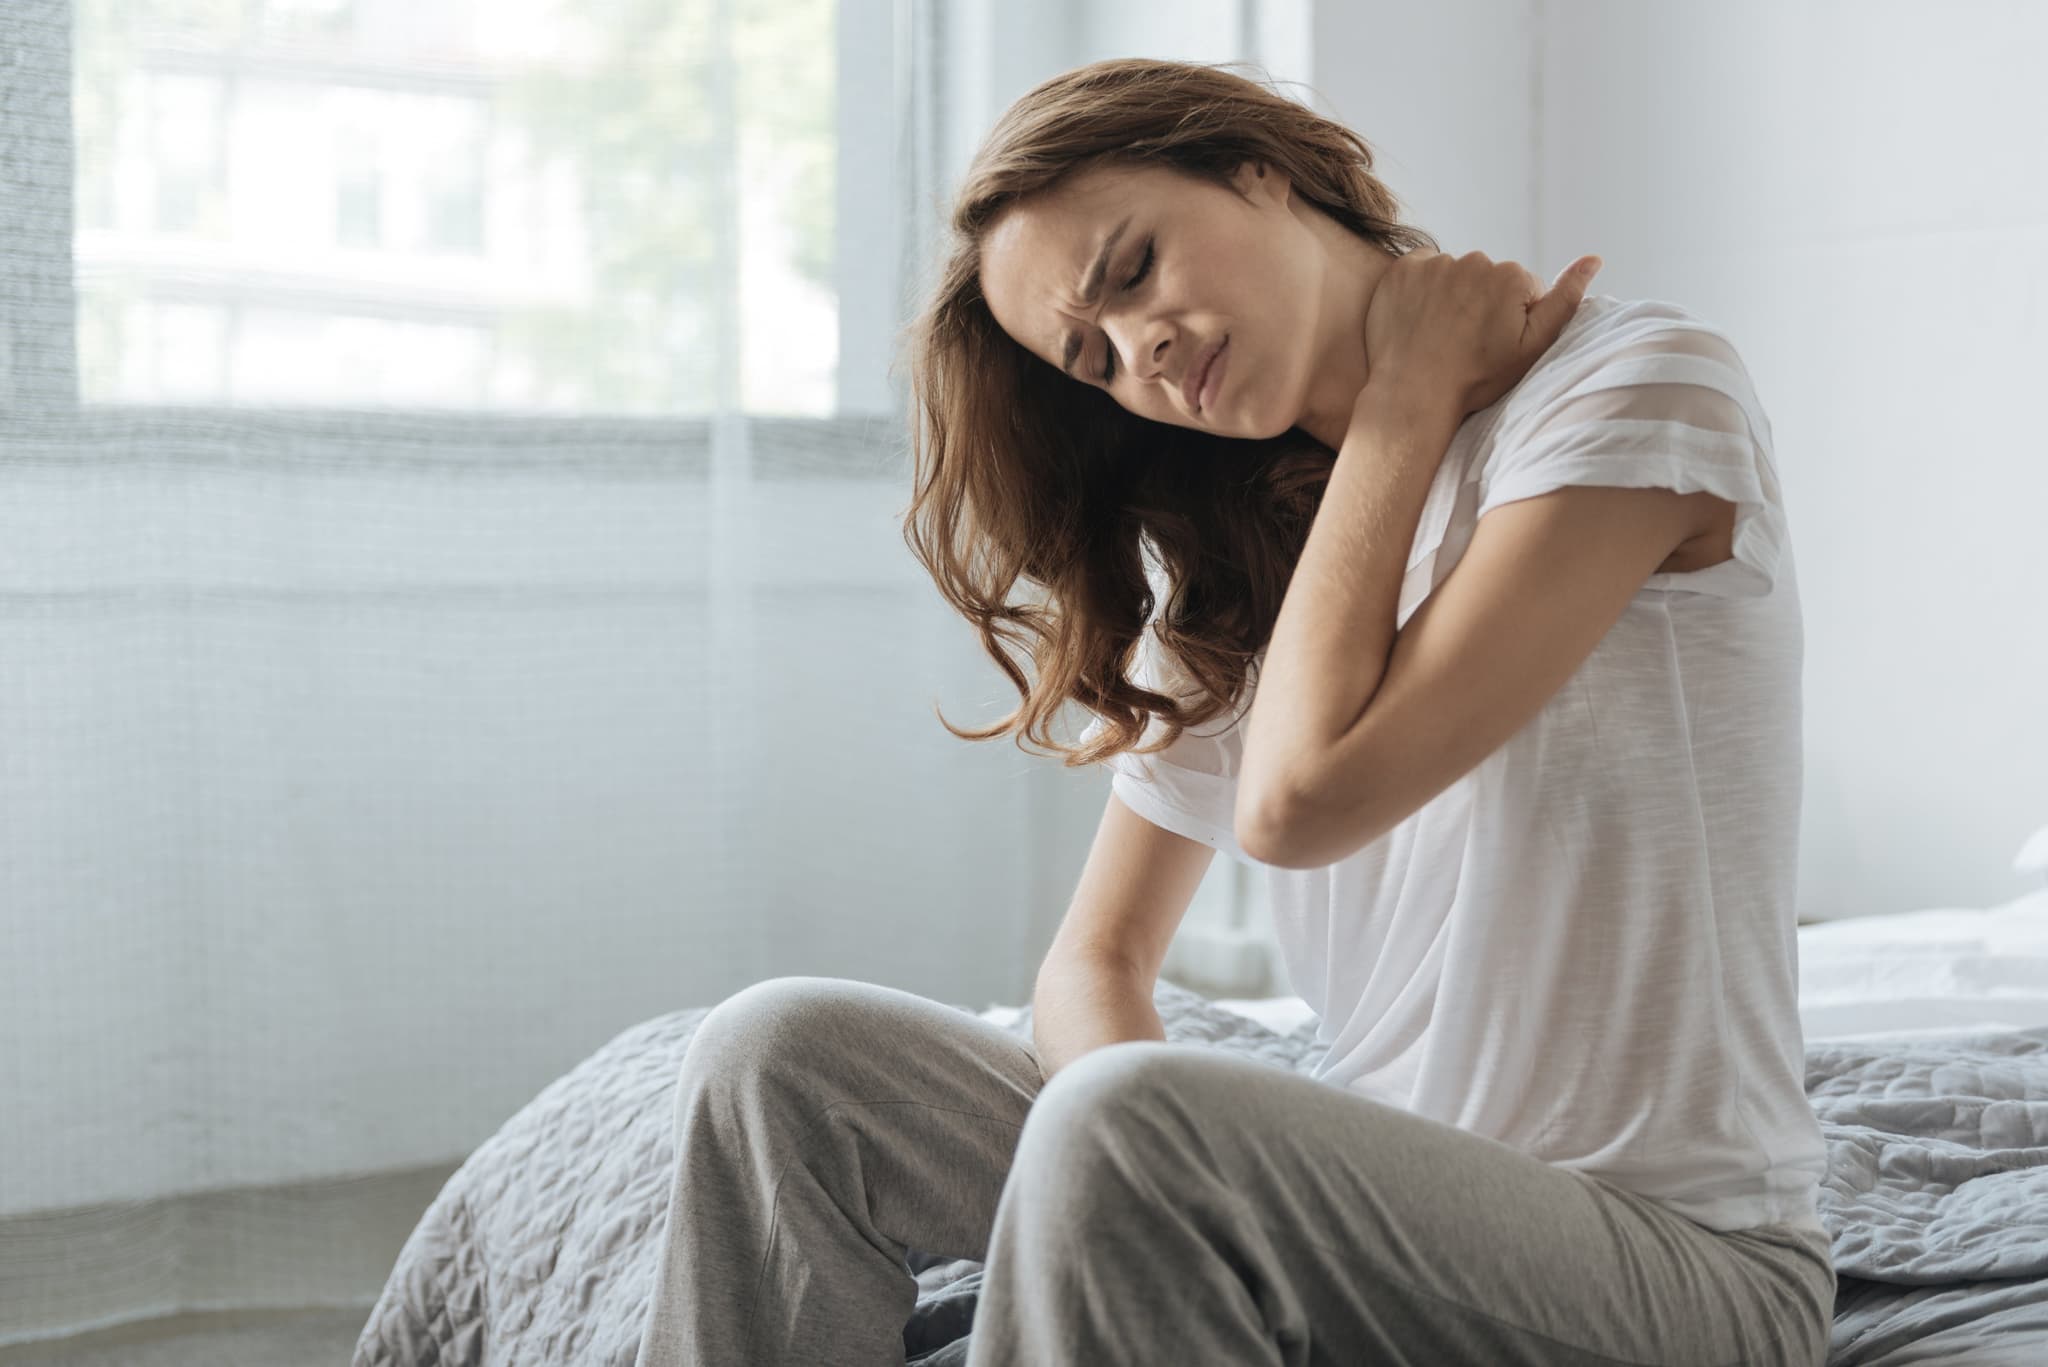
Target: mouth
<point>1196,387</point>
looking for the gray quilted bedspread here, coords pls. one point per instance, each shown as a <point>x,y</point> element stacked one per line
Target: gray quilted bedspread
<point>1937,1198</point>
<point>541,1247</point>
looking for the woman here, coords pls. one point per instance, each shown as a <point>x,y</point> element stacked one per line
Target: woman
<point>1507,573</point>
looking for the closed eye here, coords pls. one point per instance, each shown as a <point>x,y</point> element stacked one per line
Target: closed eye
<point>1144,269</point>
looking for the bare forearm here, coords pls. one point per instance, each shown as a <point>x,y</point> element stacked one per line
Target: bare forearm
<point>1081,1004</point>
<point>1335,629</point>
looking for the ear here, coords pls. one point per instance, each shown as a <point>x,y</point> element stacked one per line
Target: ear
<point>1263,180</point>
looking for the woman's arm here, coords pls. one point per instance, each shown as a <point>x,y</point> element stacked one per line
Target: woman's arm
<point>1445,336</point>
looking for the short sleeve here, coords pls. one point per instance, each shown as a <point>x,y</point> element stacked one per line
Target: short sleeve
<point>1190,787</point>
<point>1671,409</point>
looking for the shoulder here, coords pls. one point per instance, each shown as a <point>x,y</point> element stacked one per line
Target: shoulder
<point>1645,345</point>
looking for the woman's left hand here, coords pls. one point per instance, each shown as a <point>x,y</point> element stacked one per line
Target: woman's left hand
<point>1465,329</point>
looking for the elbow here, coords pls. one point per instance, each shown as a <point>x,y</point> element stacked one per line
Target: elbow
<point>1296,834</point>
<point>1274,833</point>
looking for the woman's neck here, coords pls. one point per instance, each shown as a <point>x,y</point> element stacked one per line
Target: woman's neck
<point>1353,268</point>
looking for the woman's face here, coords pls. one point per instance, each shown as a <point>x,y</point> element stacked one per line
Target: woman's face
<point>1189,267</point>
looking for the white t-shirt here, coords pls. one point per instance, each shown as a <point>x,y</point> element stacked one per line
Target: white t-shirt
<point>1586,947</point>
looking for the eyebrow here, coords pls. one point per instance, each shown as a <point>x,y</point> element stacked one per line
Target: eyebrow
<point>1091,285</point>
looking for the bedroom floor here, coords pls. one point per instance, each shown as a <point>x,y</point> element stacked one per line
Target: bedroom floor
<point>277,1338</point>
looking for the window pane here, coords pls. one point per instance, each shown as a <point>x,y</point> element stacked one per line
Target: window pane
<point>567,205</point>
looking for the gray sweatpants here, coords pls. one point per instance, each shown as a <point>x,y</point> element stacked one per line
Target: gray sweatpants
<point>1156,1203</point>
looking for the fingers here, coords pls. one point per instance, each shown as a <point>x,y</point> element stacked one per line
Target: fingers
<point>1555,309</point>
<point>1582,270</point>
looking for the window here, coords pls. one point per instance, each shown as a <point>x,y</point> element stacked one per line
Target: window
<point>519,205</point>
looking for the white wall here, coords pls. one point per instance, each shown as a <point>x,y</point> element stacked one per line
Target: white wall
<point>1858,195</point>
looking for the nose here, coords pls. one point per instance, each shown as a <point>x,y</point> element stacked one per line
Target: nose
<point>1147,342</point>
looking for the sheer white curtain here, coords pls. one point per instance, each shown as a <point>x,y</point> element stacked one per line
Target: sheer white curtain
<point>452,598</point>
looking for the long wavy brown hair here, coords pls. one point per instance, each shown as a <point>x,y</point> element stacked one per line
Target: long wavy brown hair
<point>1036,496</point>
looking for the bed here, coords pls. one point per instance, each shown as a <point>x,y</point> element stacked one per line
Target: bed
<point>1926,1061</point>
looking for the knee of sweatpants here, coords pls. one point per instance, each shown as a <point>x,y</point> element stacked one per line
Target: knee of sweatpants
<point>1086,1120</point>
<point>772,1024</point>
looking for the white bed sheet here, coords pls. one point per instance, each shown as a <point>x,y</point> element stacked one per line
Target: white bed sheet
<point>1932,972</point>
